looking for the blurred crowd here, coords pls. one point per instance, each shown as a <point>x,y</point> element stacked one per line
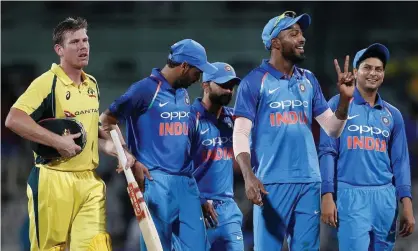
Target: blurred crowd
<point>116,66</point>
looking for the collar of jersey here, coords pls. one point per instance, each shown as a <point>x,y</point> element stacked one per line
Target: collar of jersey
<point>197,104</point>
<point>57,70</point>
<point>359,100</point>
<point>278,74</point>
<point>156,72</point>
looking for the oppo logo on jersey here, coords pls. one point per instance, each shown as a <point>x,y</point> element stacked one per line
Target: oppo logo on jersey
<point>288,117</point>
<point>174,128</point>
<point>368,129</point>
<point>288,104</point>
<point>367,142</point>
<point>219,153</point>
<point>218,141</point>
<point>175,115</point>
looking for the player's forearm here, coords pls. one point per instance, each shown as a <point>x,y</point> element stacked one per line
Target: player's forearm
<point>331,122</point>
<point>326,163</point>
<point>23,125</point>
<point>342,109</point>
<point>107,146</point>
<point>244,162</point>
<point>109,123</point>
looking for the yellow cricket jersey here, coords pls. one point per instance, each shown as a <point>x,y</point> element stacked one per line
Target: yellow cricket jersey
<point>53,94</point>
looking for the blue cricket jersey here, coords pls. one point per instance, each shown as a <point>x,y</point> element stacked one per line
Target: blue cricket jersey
<point>157,117</point>
<point>371,151</point>
<point>281,109</point>
<point>212,152</point>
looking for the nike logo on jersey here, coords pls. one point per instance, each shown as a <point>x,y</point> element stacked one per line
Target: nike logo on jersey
<point>351,117</point>
<point>163,104</point>
<point>204,131</point>
<point>239,237</point>
<point>316,212</point>
<point>272,91</point>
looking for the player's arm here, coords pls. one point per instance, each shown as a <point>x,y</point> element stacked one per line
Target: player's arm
<point>399,158</point>
<point>31,106</point>
<point>328,155</point>
<point>244,111</point>
<point>331,122</point>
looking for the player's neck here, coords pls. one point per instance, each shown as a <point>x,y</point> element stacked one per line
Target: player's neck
<point>369,96</point>
<point>211,107</point>
<point>168,75</point>
<point>73,73</point>
<point>281,64</point>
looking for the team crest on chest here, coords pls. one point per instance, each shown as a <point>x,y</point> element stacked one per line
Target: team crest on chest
<point>91,92</point>
<point>302,87</point>
<point>186,99</point>
<point>385,120</point>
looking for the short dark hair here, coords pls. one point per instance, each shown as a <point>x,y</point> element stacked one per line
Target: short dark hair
<point>172,64</point>
<point>372,54</point>
<point>69,24</point>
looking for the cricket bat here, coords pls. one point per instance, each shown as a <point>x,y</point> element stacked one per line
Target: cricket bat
<point>146,224</point>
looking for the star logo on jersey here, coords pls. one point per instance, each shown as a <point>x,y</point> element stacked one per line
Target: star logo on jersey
<point>91,92</point>
<point>68,95</point>
<point>302,87</point>
<point>385,120</point>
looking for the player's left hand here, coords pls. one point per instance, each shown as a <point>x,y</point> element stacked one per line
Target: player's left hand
<point>345,80</point>
<point>407,218</point>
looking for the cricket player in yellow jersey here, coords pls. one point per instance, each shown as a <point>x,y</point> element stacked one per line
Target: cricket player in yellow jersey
<point>66,198</point>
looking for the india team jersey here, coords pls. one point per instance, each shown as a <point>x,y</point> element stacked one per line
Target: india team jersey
<point>372,149</point>
<point>156,117</point>
<point>54,95</point>
<point>281,109</point>
<point>212,152</point>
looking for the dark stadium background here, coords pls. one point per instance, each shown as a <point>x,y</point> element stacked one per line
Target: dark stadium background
<point>129,38</point>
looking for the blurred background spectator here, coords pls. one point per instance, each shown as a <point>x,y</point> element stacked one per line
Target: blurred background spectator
<point>129,38</point>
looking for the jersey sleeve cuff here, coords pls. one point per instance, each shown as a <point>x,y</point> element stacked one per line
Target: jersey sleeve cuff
<point>327,188</point>
<point>244,114</point>
<point>403,191</point>
<point>202,200</point>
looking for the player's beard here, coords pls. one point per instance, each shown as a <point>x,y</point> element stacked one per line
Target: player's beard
<point>290,55</point>
<point>222,99</point>
<point>182,82</point>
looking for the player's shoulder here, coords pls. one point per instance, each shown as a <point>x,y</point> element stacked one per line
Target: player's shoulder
<point>46,79</point>
<point>255,75</point>
<point>391,109</point>
<point>93,79</point>
<point>145,85</point>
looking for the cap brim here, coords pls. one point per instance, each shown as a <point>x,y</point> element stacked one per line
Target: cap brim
<point>303,20</point>
<point>376,47</point>
<point>224,79</point>
<point>207,68</point>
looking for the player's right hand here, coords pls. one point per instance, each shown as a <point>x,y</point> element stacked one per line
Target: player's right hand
<point>140,172</point>
<point>329,210</point>
<point>67,147</point>
<point>254,190</point>
<point>209,212</point>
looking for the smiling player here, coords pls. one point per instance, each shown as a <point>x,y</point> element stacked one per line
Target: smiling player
<point>358,168</point>
<point>276,104</point>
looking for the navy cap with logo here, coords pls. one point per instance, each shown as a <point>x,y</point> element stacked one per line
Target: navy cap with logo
<point>283,22</point>
<point>224,74</point>
<point>375,50</point>
<point>193,53</point>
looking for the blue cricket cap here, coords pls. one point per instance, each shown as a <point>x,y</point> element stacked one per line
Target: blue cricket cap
<point>375,50</point>
<point>193,53</point>
<point>283,22</point>
<point>224,74</point>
